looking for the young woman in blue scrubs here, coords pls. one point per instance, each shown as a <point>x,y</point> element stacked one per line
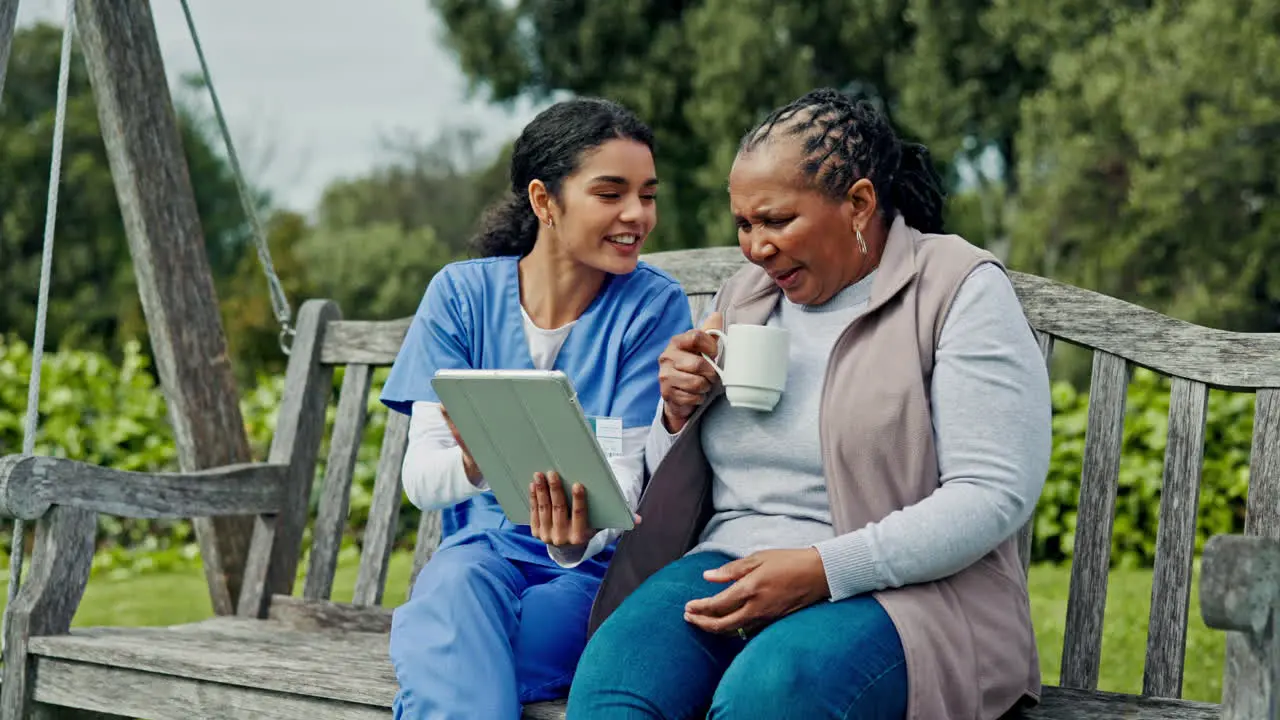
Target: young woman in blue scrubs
<point>498,617</point>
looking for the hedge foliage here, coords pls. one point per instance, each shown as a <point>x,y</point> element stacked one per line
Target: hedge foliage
<point>111,414</point>
<point>114,414</point>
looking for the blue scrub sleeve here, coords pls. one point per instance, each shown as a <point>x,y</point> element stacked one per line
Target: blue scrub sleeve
<point>637,395</point>
<point>437,339</point>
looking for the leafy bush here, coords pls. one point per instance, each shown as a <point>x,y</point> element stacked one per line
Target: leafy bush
<point>111,415</point>
<point>98,412</point>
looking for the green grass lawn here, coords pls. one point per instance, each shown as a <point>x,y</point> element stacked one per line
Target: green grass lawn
<point>171,598</point>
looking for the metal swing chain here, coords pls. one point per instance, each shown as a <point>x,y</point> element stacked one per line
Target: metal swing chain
<point>279,302</point>
<point>17,547</point>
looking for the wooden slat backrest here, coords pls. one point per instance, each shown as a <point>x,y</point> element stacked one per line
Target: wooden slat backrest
<point>1122,336</point>
<point>335,493</point>
<point>1099,481</point>
<point>1221,359</point>
<point>1263,518</point>
<point>1176,539</point>
<point>384,513</point>
<point>274,550</point>
<point>369,342</point>
<point>1195,359</point>
<point>425,544</point>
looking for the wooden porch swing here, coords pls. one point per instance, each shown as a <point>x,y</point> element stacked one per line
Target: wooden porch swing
<point>280,653</point>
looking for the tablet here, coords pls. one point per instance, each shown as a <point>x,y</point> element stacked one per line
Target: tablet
<point>518,422</point>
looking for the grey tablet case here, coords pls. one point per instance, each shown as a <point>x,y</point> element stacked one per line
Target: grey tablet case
<point>518,422</point>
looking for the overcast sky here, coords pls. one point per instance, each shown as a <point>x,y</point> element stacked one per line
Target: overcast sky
<point>319,81</point>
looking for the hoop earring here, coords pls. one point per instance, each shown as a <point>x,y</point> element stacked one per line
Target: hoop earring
<point>862,244</point>
<point>551,222</point>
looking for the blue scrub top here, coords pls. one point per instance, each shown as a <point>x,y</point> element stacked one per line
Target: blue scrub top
<point>470,317</point>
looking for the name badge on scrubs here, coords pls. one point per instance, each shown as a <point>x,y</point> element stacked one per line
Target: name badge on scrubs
<point>608,431</point>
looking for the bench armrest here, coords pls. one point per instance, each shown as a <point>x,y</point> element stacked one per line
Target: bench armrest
<point>1240,582</point>
<point>1240,593</point>
<point>30,485</point>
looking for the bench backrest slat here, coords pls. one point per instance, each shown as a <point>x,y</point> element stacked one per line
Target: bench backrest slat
<point>1263,515</point>
<point>271,567</point>
<point>384,513</point>
<point>1262,518</point>
<point>1175,540</point>
<point>335,493</point>
<point>700,271</point>
<point>1087,598</point>
<point>1171,347</point>
<point>372,342</point>
<point>428,539</point>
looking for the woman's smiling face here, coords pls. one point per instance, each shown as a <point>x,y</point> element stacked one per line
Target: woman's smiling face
<point>608,206</point>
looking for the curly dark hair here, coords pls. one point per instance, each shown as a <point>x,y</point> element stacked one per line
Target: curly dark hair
<point>846,139</point>
<point>550,148</point>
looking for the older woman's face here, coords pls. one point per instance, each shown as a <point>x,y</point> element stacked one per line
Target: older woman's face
<point>803,238</point>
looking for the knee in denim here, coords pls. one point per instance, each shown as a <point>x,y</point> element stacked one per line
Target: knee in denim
<point>759,685</point>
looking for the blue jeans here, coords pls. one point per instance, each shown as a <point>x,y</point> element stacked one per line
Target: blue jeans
<point>831,660</point>
<point>482,634</point>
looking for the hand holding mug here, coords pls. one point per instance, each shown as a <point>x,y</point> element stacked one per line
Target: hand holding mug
<point>685,375</point>
<point>756,360</point>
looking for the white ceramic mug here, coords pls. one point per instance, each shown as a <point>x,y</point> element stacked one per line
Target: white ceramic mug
<point>755,368</point>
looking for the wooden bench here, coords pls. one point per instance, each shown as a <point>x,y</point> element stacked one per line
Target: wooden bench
<point>294,656</point>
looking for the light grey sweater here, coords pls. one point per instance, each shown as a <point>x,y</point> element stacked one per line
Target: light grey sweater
<point>989,382</point>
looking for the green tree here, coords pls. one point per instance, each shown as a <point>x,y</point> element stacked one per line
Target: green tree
<point>253,331</point>
<point>701,72</point>
<point>444,184</point>
<point>375,272</point>
<point>961,81</point>
<point>380,237</point>
<point>93,298</point>
<point>1150,162</point>
<point>228,231</point>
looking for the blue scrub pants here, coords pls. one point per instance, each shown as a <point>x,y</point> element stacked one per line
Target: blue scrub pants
<point>830,661</point>
<point>482,634</point>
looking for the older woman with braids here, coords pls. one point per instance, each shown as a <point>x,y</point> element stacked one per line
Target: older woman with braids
<point>852,553</point>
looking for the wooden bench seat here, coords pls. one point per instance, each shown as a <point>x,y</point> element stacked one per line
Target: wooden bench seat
<point>294,654</point>
<point>222,667</point>
<point>232,667</point>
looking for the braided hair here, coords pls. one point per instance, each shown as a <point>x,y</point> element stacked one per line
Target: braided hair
<point>845,140</point>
